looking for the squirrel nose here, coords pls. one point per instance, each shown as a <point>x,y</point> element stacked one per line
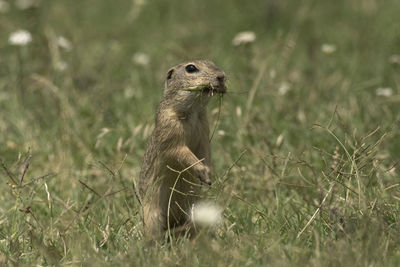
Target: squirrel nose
<point>221,78</point>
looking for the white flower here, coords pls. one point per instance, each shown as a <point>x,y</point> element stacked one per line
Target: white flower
<point>64,43</point>
<point>279,140</point>
<point>141,59</point>
<point>25,4</point>
<point>301,116</point>
<point>387,91</point>
<point>284,88</point>
<point>20,37</point>
<point>328,48</point>
<point>272,74</point>
<point>394,59</point>
<point>221,133</point>
<point>129,92</point>
<point>4,6</point>
<point>61,65</point>
<point>239,111</point>
<point>244,38</point>
<point>206,214</point>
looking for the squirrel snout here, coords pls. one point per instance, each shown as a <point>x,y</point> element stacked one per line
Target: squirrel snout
<point>221,82</point>
<point>221,78</point>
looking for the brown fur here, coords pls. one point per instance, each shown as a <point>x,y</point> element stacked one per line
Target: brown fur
<point>180,141</point>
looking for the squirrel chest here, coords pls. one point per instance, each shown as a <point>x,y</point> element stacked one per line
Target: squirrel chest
<point>195,126</point>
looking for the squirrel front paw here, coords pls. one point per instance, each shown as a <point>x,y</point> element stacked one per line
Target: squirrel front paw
<point>203,173</point>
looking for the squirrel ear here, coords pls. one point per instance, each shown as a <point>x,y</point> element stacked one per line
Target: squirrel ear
<point>169,74</point>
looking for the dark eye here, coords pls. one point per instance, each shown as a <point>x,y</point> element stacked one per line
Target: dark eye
<point>191,68</point>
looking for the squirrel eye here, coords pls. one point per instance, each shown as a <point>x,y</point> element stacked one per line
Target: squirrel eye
<point>191,68</point>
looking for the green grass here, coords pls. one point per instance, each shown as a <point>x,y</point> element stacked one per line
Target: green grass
<point>328,147</point>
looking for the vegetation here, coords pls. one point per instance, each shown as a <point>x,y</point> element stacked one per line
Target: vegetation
<point>306,147</point>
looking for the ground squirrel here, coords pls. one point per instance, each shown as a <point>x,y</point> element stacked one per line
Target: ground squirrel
<point>180,141</point>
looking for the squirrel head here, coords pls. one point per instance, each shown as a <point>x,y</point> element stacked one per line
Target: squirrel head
<point>198,77</point>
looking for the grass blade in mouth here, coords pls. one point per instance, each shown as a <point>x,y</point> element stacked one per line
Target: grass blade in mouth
<point>199,88</point>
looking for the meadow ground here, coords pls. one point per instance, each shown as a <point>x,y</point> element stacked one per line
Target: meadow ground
<point>306,149</point>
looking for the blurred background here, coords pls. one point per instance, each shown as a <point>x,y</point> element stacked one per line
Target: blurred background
<point>310,83</point>
<point>93,66</point>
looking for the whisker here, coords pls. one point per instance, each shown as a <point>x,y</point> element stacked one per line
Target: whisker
<point>237,92</point>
